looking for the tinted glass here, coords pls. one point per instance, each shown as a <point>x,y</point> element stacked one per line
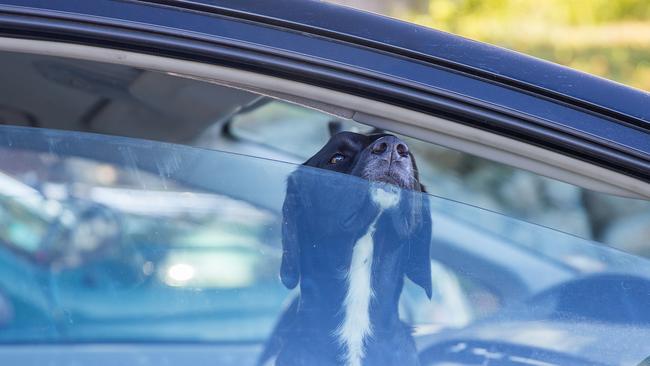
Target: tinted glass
<point>107,239</point>
<point>624,223</point>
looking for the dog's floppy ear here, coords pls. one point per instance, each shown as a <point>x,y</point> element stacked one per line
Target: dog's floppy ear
<point>334,126</point>
<point>418,264</point>
<point>318,204</point>
<point>291,212</point>
<point>416,175</point>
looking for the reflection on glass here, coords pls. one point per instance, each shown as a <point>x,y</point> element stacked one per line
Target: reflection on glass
<point>95,244</point>
<point>294,133</point>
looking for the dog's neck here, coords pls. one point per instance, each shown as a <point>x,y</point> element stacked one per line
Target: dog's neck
<point>363,302</point>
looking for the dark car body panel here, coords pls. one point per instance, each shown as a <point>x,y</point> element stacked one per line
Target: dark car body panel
<point>399,63</point>
<point>437,47</point>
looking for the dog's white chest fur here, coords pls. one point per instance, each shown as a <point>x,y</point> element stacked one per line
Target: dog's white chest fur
<point>356,326</point>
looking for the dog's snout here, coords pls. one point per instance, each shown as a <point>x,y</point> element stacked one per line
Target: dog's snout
<point>389,145</point>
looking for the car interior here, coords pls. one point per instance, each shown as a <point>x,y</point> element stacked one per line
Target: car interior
<point>79,95</point>
<point>493,196</point>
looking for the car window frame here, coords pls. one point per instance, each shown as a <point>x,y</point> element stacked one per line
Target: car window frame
<point>567,127</point>
<point>408,122</point>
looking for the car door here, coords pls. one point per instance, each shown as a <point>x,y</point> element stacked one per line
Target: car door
<point>194,233</point>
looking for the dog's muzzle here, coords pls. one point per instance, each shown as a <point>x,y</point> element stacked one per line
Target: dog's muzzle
<point>389,162</point>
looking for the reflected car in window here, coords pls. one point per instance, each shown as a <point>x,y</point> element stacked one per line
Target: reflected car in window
<point>146,148</point>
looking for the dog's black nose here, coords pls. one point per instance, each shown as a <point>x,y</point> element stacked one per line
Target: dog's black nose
<point>389,145</point>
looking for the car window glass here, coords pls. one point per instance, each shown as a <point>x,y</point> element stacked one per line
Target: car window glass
<point>190,239</point>
<point>621,222</point>
<point>288,128</point>
<point>102,227</point>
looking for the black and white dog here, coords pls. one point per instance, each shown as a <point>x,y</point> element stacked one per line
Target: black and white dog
<point>349,243</point>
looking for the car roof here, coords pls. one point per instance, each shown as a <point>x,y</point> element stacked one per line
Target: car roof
<point>430,45</point>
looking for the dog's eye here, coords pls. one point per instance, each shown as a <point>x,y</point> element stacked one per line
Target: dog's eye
<point>337,158</point>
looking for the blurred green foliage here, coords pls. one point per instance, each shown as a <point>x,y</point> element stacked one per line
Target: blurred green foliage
<point>609,38</point>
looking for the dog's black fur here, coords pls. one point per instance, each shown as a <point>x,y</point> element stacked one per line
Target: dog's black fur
<point>323,219</point>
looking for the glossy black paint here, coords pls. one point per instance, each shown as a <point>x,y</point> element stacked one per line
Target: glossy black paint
<point>437,47</point>
<point>471,83</point>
